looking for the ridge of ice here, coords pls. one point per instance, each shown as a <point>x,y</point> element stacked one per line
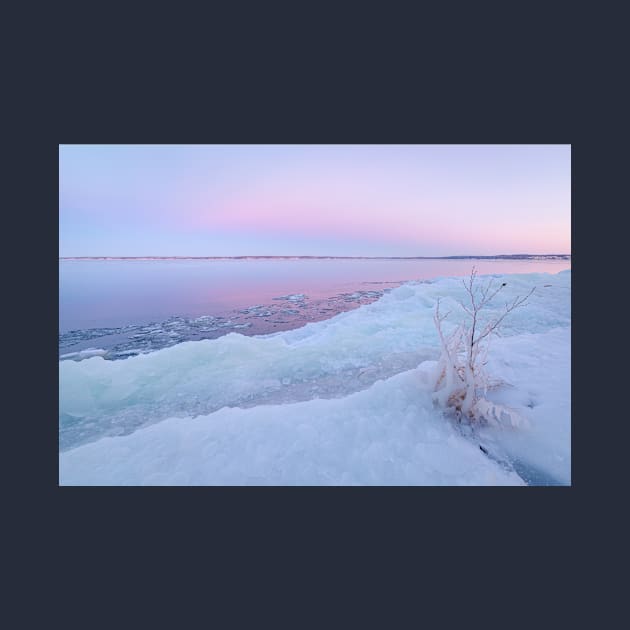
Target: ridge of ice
<point>360,439</point>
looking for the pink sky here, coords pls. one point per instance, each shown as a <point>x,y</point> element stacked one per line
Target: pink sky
<point>367,200</point>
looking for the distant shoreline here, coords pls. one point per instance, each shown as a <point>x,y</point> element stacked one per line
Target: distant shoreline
<point>471,257</point>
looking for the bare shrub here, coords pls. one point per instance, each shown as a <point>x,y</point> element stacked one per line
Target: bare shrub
<point>461,381</point>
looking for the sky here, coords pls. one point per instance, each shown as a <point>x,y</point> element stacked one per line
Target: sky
<point>314,200</point>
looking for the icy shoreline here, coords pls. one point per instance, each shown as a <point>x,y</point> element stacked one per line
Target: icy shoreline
<point>339,401</point>
<point>285,312</point>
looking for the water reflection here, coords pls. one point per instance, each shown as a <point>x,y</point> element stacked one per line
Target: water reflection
<point>112,303</point>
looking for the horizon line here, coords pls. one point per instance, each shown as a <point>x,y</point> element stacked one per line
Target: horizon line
<point>481,256</point>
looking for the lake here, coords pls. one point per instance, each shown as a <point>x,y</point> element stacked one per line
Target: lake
<point>120,308</point>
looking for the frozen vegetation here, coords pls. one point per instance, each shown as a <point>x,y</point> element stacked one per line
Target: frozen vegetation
<point>347,400</point>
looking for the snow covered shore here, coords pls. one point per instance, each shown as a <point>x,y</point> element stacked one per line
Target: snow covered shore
<point>342,401</point>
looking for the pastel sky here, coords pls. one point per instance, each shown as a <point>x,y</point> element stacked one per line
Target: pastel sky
<point>318,200</point>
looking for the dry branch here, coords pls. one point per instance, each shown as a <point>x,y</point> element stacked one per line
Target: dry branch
<point>461,378</point>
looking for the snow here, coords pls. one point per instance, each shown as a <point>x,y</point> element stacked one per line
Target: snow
<point>386,434</point>
<point>84,354</point>
<point>341,401</point>
<point>540,384</point>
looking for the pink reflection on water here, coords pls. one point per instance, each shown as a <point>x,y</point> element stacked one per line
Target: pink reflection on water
<point>116,293</point>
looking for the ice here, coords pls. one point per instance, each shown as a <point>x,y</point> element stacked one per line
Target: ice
<point>257,311</point>
<point>387,434</point>
<point>84,354</point>
<point>294,297</point>
<point>130,340</point>
<point>539,389</point>
<point>339,401</point>
<point>145,338</point>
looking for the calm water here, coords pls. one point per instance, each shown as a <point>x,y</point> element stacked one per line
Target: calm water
<point>132,306</point>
